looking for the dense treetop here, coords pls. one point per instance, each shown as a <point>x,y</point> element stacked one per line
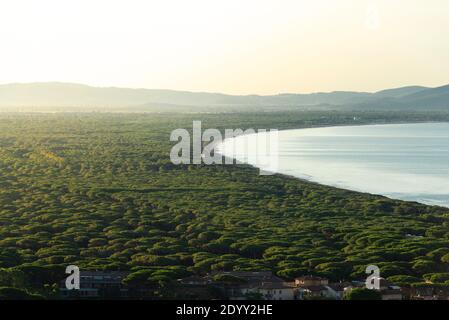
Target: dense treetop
<point>99,191</point>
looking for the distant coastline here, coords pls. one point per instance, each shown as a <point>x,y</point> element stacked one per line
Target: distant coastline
<point>306,176</point>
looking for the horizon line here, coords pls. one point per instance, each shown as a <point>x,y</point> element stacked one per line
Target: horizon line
<point>214,92</point>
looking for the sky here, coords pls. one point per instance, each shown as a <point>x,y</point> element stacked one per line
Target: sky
<point>229,46</point>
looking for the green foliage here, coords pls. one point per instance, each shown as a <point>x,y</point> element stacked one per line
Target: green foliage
<point>403,280</point>
<point>99,191</point>
<point>292,273</point>
<point>254,296</point>
<point>445,259</point>
<point>363,294</point>
<point>7,293</point>
<point>424,266</point>
<point>228,279</point>
<point>437,277</point>
<point>138,278</point>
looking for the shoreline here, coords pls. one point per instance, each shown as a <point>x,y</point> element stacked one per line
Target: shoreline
<point>310,180</point>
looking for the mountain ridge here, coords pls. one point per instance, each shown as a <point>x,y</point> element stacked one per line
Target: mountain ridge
<point>62,94</point>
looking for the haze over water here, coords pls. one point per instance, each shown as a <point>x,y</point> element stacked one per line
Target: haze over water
<point>401,161</point>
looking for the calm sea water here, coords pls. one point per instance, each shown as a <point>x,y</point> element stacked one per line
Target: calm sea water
<point>403,161</point>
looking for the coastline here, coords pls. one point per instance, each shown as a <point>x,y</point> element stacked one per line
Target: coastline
<point>303,177</point>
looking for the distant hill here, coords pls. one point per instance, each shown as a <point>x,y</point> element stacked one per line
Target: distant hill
<point>73,97</point>
<point>400,92</point>
<point>434,97</point>
<point>410,98</point>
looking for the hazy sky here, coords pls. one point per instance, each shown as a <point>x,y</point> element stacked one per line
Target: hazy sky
<point>231,46</point>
